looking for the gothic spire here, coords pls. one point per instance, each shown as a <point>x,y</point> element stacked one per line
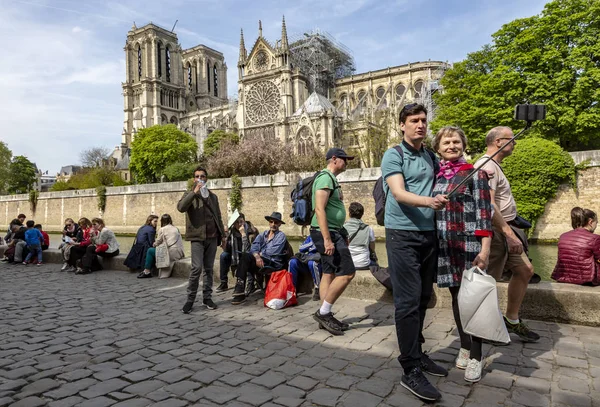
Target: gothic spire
<point>243,52</point>
<point>284,37</point>
<point>259,28</point>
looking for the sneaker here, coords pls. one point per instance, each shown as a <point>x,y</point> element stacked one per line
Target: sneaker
<point>462,360</point>
<point>144,275</point>
<point>222,287</point>
<point>238,290</point>
<point>65,266</point>
<point>521,330</point>
<point>25,263</point>
<point>250,289</point>
<point>416,382</point>
<point>83,271</point>
<point>430,367</point>
<point>343,325</point>
<point>473,372</point>
<point>187,307</point>
<point>4,259</point>
<point>316,296</point>
<point>328,322</point>
<point>39,263</point>
<point>208,303</point>
<point>240,299</point>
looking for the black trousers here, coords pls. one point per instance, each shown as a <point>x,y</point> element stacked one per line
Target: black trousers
<point>90,259</point>
<point>412,260</point>
<point>247,268</point>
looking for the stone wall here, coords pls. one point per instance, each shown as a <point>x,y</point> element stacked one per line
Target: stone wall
<point>127,207</point>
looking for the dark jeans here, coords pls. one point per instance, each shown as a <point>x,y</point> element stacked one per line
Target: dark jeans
<point>34,249</point>
<point>412,259</point>
<point>225,265</point>
<point>77,252</point>
<point>203,258</point>
<point>247,269</point>
<point>90,258</point>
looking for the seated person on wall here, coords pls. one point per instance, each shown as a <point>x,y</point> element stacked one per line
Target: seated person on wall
<point>170,236</point>
<point>46,241</point>
<point>579,250</point>
<point>19,245</point>
<point>361,238</point>
<point>21,218</point>
<point>77,246</point>
<point>104,244</point>
<point>267,253</point>
<point>307,260</point>
<point>9,251</point>
<point>240,238</point>
<point>144,239</point>
<point>69,234</point>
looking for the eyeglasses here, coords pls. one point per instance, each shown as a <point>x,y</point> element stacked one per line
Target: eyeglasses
<point>276,222</point>
<point>200,176</point>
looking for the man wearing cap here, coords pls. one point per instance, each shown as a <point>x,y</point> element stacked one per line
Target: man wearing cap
<point>267,252</point>
<point>330,238</point>
<point>241,236</point>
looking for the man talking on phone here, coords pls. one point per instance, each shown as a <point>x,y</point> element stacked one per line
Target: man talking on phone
<point>205,231</point>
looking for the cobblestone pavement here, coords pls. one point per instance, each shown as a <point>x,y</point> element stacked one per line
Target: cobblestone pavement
<point>109,339</point>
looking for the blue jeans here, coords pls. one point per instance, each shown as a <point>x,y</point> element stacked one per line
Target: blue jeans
<point>296,267</point>
<point>150,256</point>
<point>33,249</point>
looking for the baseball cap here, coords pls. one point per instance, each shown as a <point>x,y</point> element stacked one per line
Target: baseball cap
<point>339,153</point>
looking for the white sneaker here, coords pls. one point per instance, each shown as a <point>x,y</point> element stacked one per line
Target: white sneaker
<point>473,372</point>
<point>462,360</point>
<point>65,266</point>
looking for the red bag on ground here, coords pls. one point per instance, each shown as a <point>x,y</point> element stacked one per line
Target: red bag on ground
<point>101,248</point>
<point>280,291</point>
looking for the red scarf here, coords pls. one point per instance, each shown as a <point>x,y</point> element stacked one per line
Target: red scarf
<point>448,169</point>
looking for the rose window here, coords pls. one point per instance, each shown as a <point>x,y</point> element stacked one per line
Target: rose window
<point>262,102</point>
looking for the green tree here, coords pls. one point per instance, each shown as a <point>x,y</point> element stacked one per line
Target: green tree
<point>5,159</point>
<point>91,178</point>
<point>22,175</point>
<point>551,59</point>
<point>179,171</point>
<point>214,140</point>
<point>157,147</point>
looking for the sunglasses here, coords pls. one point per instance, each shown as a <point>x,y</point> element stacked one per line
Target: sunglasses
<point>199,176</point>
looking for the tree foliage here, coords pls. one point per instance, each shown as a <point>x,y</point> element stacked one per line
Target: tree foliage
<point>255,156</point>
<point>22,175</point>
<point>551,59</point>
<point>179,171</point>
<point>157,147</point>
<point>91,178</point>
<point>94,157</point>
<point>5,159</point>
<point>216,138</point>
<point>535,170</point>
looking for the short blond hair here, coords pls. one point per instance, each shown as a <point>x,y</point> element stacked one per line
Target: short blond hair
<point>447,131</point>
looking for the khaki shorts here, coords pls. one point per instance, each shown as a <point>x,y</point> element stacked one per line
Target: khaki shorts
<point>501,260</point>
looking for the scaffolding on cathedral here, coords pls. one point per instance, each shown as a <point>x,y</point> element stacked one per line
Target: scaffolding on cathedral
<point>323,59</point>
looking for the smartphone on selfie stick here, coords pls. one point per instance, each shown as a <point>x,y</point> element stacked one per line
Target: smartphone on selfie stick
<point>528,113</point>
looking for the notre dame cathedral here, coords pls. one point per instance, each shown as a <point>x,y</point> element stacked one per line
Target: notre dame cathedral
<point>303,91</point>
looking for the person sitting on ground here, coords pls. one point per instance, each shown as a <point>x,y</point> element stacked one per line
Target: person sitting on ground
<point>361,238</point>
<point>144,239</point>
<point>267,252</point>
<point>307,260</point>
<point>169,235</point>
<point>34,239</point>
<point>104,244</point>
<point>21,218</point>
<point>46,238</point>
<point>579,250</point>
<point>467,242</point>
<point>69,233</point>
<point>77,246</point>
<point>241,236</point>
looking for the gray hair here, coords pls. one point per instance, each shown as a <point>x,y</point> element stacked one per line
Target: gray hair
<point>494,133</point>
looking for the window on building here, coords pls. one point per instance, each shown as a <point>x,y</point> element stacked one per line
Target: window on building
<point>216,80</point>
<point>380,93</point>
<point>159,63</point>
<point>208,76</point>
<point>189,72</point>
<point>139,63</point>
<point>361,99</point>
<point>168,62</point>
<point>400,89</point>
<point>343,100</point>
<point>418,86</point>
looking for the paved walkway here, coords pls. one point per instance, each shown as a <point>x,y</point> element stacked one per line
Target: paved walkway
<point>109,339</point>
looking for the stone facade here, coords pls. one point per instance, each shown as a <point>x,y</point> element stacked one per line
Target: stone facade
<point>166,84</point>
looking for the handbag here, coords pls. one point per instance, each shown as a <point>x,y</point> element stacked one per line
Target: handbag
<point>162,256</point>
<point>281,291</point>
<point>479,311</point>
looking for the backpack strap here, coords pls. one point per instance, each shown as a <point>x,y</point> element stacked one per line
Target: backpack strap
<point>362,226</point>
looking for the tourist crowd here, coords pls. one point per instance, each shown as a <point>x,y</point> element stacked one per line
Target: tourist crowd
<point>442,217</point>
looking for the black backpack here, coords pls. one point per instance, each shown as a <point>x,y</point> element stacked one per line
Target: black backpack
<point>379,194</point>
<point>301,196</point>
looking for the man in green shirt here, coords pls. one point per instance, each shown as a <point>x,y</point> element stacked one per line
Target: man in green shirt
<point>330,238</point>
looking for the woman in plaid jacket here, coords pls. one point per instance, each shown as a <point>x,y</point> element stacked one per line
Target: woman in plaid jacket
<point>464,229</point>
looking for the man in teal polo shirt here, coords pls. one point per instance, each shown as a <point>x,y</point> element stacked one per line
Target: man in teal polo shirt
<point>329,236</point>
<point>411,245</point>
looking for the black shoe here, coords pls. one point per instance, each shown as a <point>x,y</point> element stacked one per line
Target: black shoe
<point>328,322</point>
<point>316,296</point>
<point>522,330</point>
<point>416,382</point>
<point>343,325</point>
<point>187,307</point>
<point>222,287</point>
<point>240,299</point>
<point>84,271</point>
<point>144,275</point>
<point>430,367</point>
<point>251,289</point>
<point>238,290</point>
<point>208,303</point>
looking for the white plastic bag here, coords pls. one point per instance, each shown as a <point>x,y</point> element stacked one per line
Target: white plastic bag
<point>162,256</point>
<point>480,314</point>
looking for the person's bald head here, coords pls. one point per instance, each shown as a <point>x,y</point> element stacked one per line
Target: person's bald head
<point>496,133</point>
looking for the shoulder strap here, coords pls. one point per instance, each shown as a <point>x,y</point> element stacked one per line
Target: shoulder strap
<point>362,226</point>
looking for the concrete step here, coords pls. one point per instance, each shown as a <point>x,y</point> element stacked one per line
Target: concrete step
<point>544,301</point>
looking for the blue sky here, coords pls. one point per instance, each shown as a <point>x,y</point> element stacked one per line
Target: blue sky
<point>63,60</point>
